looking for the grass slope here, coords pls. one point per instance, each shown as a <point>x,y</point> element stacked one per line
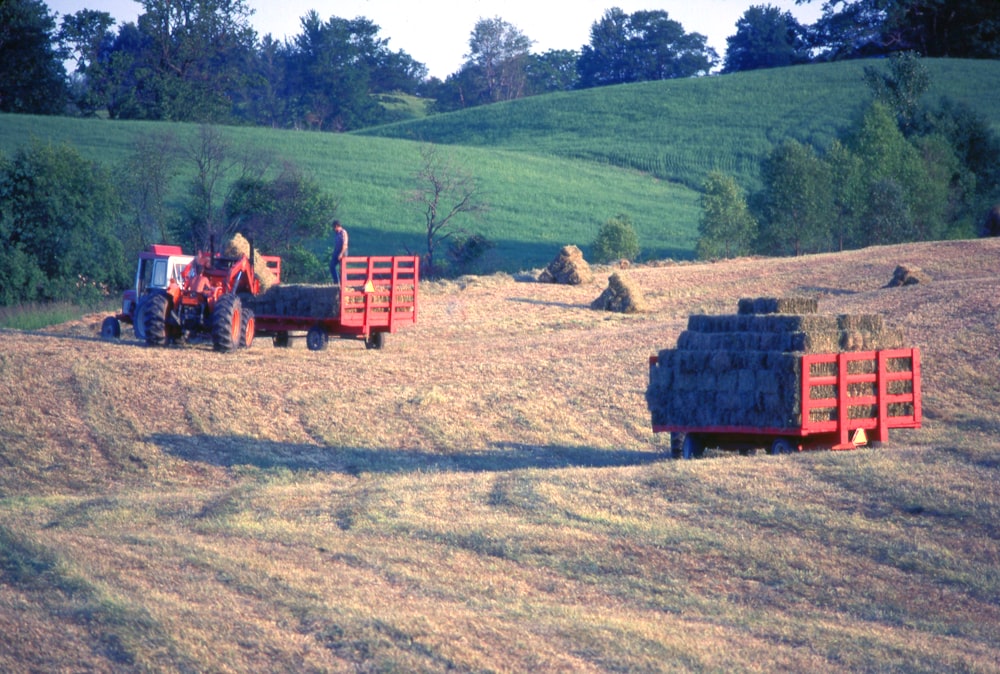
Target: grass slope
<point>554,168</point>
<point>485,494</point>
<point>680,130</point>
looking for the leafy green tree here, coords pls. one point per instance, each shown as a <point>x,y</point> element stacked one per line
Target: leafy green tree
<point>88,34</point>
<point>616,240</point>
<point>59,214</point>
<point>555,70</point>
<point>766,37</point>
<point>886,154</point>
<point>32,75</point>
<point>797,203</point>
<point>901,89</point>
<point>849,195</point>
<point>199,51</point>
<point>645,45</point>
<point>280,212</point>
<point>727,228</point>
<point>145,178</point>
<point>500,52</point>
<point>328,79</point>
<point>865,28</point>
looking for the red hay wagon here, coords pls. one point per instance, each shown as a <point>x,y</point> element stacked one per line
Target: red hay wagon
<point>378,295</point>
<point>847,399</point>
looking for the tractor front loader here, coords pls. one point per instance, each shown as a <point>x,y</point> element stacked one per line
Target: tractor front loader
<point>207,305</point>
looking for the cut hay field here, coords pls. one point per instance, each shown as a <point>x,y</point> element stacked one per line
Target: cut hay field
<point>485,494</point>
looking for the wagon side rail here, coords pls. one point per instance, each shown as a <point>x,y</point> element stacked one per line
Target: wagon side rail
<point>869,390</point>
<point>379,292</point>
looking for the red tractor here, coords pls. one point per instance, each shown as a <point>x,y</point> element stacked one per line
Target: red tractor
<point>204,303</point>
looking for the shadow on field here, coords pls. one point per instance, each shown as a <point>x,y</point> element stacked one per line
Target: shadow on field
<point>232,451</point>
<point>561,305</point>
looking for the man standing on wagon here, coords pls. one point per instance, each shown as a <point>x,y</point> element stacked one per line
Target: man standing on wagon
<point>339,252</point>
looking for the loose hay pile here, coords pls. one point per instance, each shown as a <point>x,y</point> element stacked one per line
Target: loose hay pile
<point>568,268</point>
<point>621,295</point>
<point>296,299</point>
<point>239,246</point>
<point>746,369</point>
<point>907,276</point>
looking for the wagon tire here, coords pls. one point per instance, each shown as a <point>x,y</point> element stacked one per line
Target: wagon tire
<point>676,445</point>
<point>781,446</point>
<point>375,341</point>
<point>111,328</point>
<point>693,447</point>
<point>317,339</point>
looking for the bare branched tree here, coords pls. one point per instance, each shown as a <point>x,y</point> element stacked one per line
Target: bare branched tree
<point>443,193</point>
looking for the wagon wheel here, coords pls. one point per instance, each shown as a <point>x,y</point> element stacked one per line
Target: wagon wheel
<point>375,341</point>
<point>154,319</point>
<point>316,338</point>
<point>111,328</point>
<point>693,446</point>
<point>281,340</point>
<point>781,446</point>
<point>676,445</point>
<point>227,323</point>
<point>248,329</point>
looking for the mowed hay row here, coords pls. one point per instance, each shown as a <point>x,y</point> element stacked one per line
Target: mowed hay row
<point>297,299</point>
<point>746,369</point>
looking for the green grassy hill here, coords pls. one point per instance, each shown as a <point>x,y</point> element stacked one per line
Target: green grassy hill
<point>554,168</point>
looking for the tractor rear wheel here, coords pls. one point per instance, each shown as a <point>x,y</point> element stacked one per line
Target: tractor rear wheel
<point>226,323</point>
<point>139,318</point>
<point>248,329</point>
<point>154,319</point>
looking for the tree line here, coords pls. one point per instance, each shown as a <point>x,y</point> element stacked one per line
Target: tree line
<point>904,172</point>
<point>201,61</point>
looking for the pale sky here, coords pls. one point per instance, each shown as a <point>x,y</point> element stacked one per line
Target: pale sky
<point>436,32</point>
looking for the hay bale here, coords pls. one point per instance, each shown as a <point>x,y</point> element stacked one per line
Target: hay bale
<point>907,276</point>
<point>777,305</point>
<point>238,246</point>
<point>621,295</point>
<point>745,370</point>
<point>568,268</point>
<point>298,300</point>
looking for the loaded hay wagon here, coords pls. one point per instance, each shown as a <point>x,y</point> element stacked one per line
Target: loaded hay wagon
<point>378,295</point>
<point>779,375</point>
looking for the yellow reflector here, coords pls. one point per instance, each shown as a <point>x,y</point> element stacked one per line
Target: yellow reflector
<point>860,437</point>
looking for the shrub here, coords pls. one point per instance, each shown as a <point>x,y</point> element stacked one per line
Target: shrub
<point>616,240</point>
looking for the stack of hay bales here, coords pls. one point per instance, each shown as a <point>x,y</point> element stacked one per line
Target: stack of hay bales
<point>746,369</point>
<point>621,295</point>
<point>568,268</point>
<point>907,276</point>
<point>296,299</point>
<point>238,246</point>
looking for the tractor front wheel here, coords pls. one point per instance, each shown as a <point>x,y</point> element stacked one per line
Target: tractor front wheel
<point>227,323</point>
<point>248,329</point>
<point>111,328</point>
<point>154,319</point>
